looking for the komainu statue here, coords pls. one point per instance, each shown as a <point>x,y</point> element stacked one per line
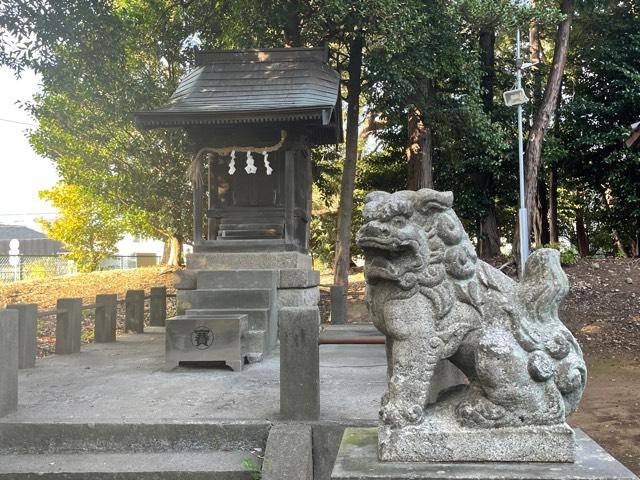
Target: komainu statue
<point>433,299</point>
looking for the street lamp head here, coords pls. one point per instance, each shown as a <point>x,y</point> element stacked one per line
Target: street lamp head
<point>516,97</point>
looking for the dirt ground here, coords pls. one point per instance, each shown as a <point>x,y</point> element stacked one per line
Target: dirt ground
<point>45,293</point>
<point>602,310</point>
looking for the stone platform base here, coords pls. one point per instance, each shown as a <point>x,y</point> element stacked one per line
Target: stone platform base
<point>358,460</point>
<point>441,438</point>
<point>453,443</point>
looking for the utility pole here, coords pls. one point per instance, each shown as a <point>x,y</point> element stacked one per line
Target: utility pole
<point>516,98</point>
<point>523,214</point>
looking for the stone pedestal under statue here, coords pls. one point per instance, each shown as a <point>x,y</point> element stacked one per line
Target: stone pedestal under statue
<point>358,460</point>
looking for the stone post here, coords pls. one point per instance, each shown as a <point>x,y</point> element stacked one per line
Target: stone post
<point>106,310</point>
<point>299,363</point>
<point>338,304</point>
<point>158,306</point>
<point>8,361</point>
<point>68,325</point>
<point>27,333</point>
<point>134,311</point>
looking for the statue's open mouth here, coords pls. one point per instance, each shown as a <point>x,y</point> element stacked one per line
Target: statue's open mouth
<point>389,258</point>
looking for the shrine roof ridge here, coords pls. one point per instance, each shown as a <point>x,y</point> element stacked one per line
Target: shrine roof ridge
<point>298,54</point>
<point>253,86</point>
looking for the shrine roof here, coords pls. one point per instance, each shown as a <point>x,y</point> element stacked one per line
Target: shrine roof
<point>252,86</point>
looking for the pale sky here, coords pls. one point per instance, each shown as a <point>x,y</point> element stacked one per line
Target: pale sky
<point>22,173</point>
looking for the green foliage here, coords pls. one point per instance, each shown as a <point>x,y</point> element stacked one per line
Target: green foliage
<point>100,61</point>
<point>253,467</point>
<point>87,227</point>
<point>601,101</point>
<point>568,255</point>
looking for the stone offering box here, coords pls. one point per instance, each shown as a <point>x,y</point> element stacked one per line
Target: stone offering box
<point>207,338</point>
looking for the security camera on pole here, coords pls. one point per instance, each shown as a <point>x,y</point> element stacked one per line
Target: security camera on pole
<point>517,97</point>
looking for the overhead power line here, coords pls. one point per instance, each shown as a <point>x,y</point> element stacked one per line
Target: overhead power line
<point>17,122</point>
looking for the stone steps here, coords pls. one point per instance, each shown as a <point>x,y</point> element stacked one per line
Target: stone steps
<point>225,279</point>
<point>189,451</point>
<point>211,465</point>
<point>227,298</point>
<point>258,317</point>
<point>34,438</point>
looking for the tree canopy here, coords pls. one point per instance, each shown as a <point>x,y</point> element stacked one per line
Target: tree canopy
<point>422,83</point>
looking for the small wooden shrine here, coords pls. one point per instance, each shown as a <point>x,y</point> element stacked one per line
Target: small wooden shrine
<point>253,115</point>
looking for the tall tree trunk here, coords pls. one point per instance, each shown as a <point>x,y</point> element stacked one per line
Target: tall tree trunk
<point>419,152</point>
<point>292,36</point>
<point>553,204</point>
<point>548,105</point>
<point>536,58</point>
<point>166,252</point>
<point>608,200</point>
<point>176,257</point>
<point>581,232</point>
<point>487,43</point>
<point>345,210</point>
<point>540,216</point>
<point>635,246</point>
<point>488,237</point>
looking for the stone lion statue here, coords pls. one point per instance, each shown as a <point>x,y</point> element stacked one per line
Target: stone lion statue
<point>433,299</point>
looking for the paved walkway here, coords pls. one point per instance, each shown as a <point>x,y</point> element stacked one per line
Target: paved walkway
<point>126,382</point>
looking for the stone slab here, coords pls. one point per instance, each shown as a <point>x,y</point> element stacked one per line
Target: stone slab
<point>161,435</point>
<point>106,318</point>
<point>552,443</point>
<point>27,333</point>
<point>441,438</point>
<point>248,260</point>
<point>299,363</point>
<point>299,297</point>
<point>185,279</point>
<point>68,325</point>
<point>338,295</point>
<point>223,299</point>
<point>299,278</point>
<point>211,465</point>
<point>357,460</point>
<point>288,455</point>
<point>241,279</point>
<point>8,361</point>
<point>213,338</point>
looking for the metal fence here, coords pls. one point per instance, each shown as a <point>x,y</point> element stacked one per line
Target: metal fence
<point>33,267</point>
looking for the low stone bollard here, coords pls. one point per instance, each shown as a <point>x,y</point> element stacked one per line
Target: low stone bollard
<point>134,311</point>
<point>8,361</point>
<point>299,363</point>
<point>158,306</point>
<point>68,325</point>
<point>27,333</point>
<point>106,310</point>
<point>338,304</point>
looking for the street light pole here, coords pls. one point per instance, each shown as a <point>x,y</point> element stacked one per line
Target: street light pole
<point>523,214</point>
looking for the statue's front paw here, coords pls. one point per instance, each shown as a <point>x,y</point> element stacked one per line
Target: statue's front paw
<point>399,414</point>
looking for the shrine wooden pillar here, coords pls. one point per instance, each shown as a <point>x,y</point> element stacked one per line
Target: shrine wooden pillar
<point>289,196</point>
<point>197,212</point>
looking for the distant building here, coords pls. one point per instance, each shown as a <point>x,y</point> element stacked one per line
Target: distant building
<point>31,241</point>
<point>633,140</point>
